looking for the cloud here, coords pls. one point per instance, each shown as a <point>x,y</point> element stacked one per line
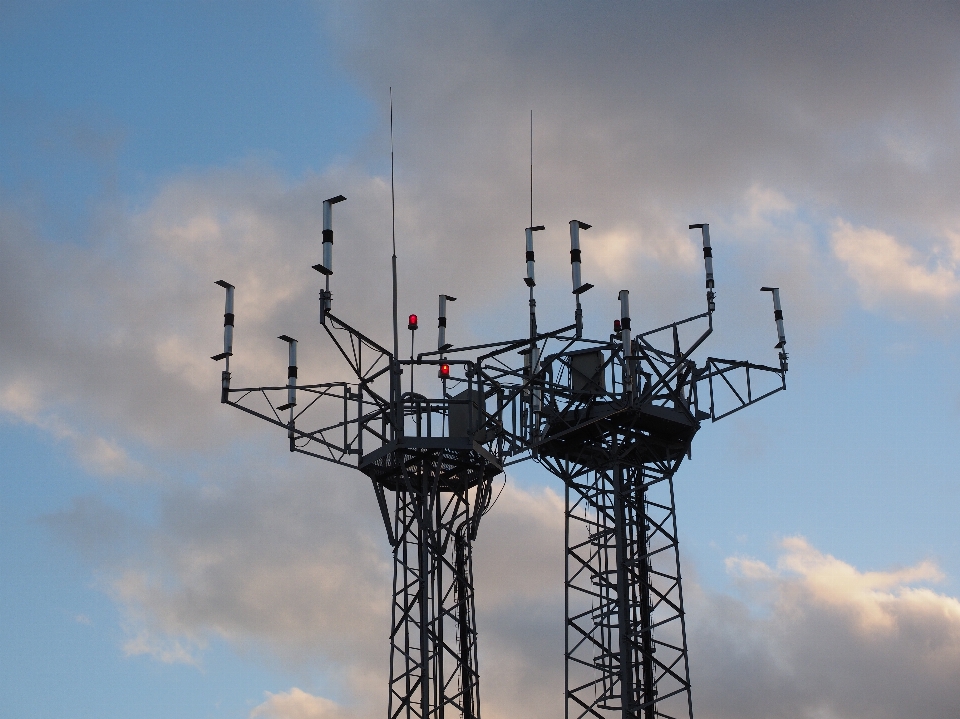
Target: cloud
<point>164,649</point>
<point>278,562</point>
<point>108,344</point>
<point>770,122</point>
<point>297,704</point>
<point>639,130</point>
<point>517,548</point>
<point>647,117</point>
<point>815,636</point>
<point>888,271</point>
<point>631,113</point>
<point>20,401</point>
<point>298,567</point>
<point>518,581</point>
<point>763,206</point>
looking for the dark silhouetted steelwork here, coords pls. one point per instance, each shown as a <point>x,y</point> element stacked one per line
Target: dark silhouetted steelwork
<point>612,417</point>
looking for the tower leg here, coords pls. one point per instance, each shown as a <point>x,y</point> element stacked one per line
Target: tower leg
<point>433,649</point>
<point>626,654</point>
<point>622,556</point>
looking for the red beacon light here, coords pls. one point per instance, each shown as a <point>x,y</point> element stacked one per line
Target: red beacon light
<point>412,322</point>
<point>444,371</point>
<point>616,326</point>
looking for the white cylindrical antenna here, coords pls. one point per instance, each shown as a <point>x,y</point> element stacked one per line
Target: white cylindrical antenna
<point>326,267</point>
<point>575,227</point>
<point>227,322</point>
<point>291,375</point>
<point>227,340</point>
<point>578,287</point>
<point>707,265</point>
<point>442,322</point>
<point>777,315</point>
<point>530,279</point>
<point>625,338</point>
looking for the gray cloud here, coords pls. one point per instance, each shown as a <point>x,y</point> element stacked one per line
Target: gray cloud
<point>666,103</point>
<point>649,116</point>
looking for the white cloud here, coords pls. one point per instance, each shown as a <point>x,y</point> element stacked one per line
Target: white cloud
<point>297,704</point>
<point>886,270</point>
<point>873,598</point>
<point>763,206</point>
<point>164,649</point>
<point>519,547</point>
<point>824,638</point>
<point>20,401</point>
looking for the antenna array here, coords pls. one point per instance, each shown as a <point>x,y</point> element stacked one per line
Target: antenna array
<point>612,416</point>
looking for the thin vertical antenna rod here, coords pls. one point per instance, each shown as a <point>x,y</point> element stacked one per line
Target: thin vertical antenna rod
<point>393,231</point>
<point>531,168</point>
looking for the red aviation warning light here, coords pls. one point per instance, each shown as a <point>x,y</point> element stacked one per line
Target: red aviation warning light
<point>444,371</point>
<point>412,322</point>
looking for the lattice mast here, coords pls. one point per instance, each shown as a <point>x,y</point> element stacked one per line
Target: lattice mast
<point>612,417</point>
<point>431,466</point>
<point>616,435</point>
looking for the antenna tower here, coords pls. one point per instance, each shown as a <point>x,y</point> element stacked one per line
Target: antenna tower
<point>612,416</point>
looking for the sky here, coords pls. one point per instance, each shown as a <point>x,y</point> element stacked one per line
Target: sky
<point>161,556</point>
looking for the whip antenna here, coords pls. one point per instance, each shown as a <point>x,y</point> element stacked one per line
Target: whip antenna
<point>393,230</point>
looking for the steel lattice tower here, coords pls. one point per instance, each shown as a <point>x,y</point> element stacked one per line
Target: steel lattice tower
<point>613,418</point>
<point>441,491</point>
